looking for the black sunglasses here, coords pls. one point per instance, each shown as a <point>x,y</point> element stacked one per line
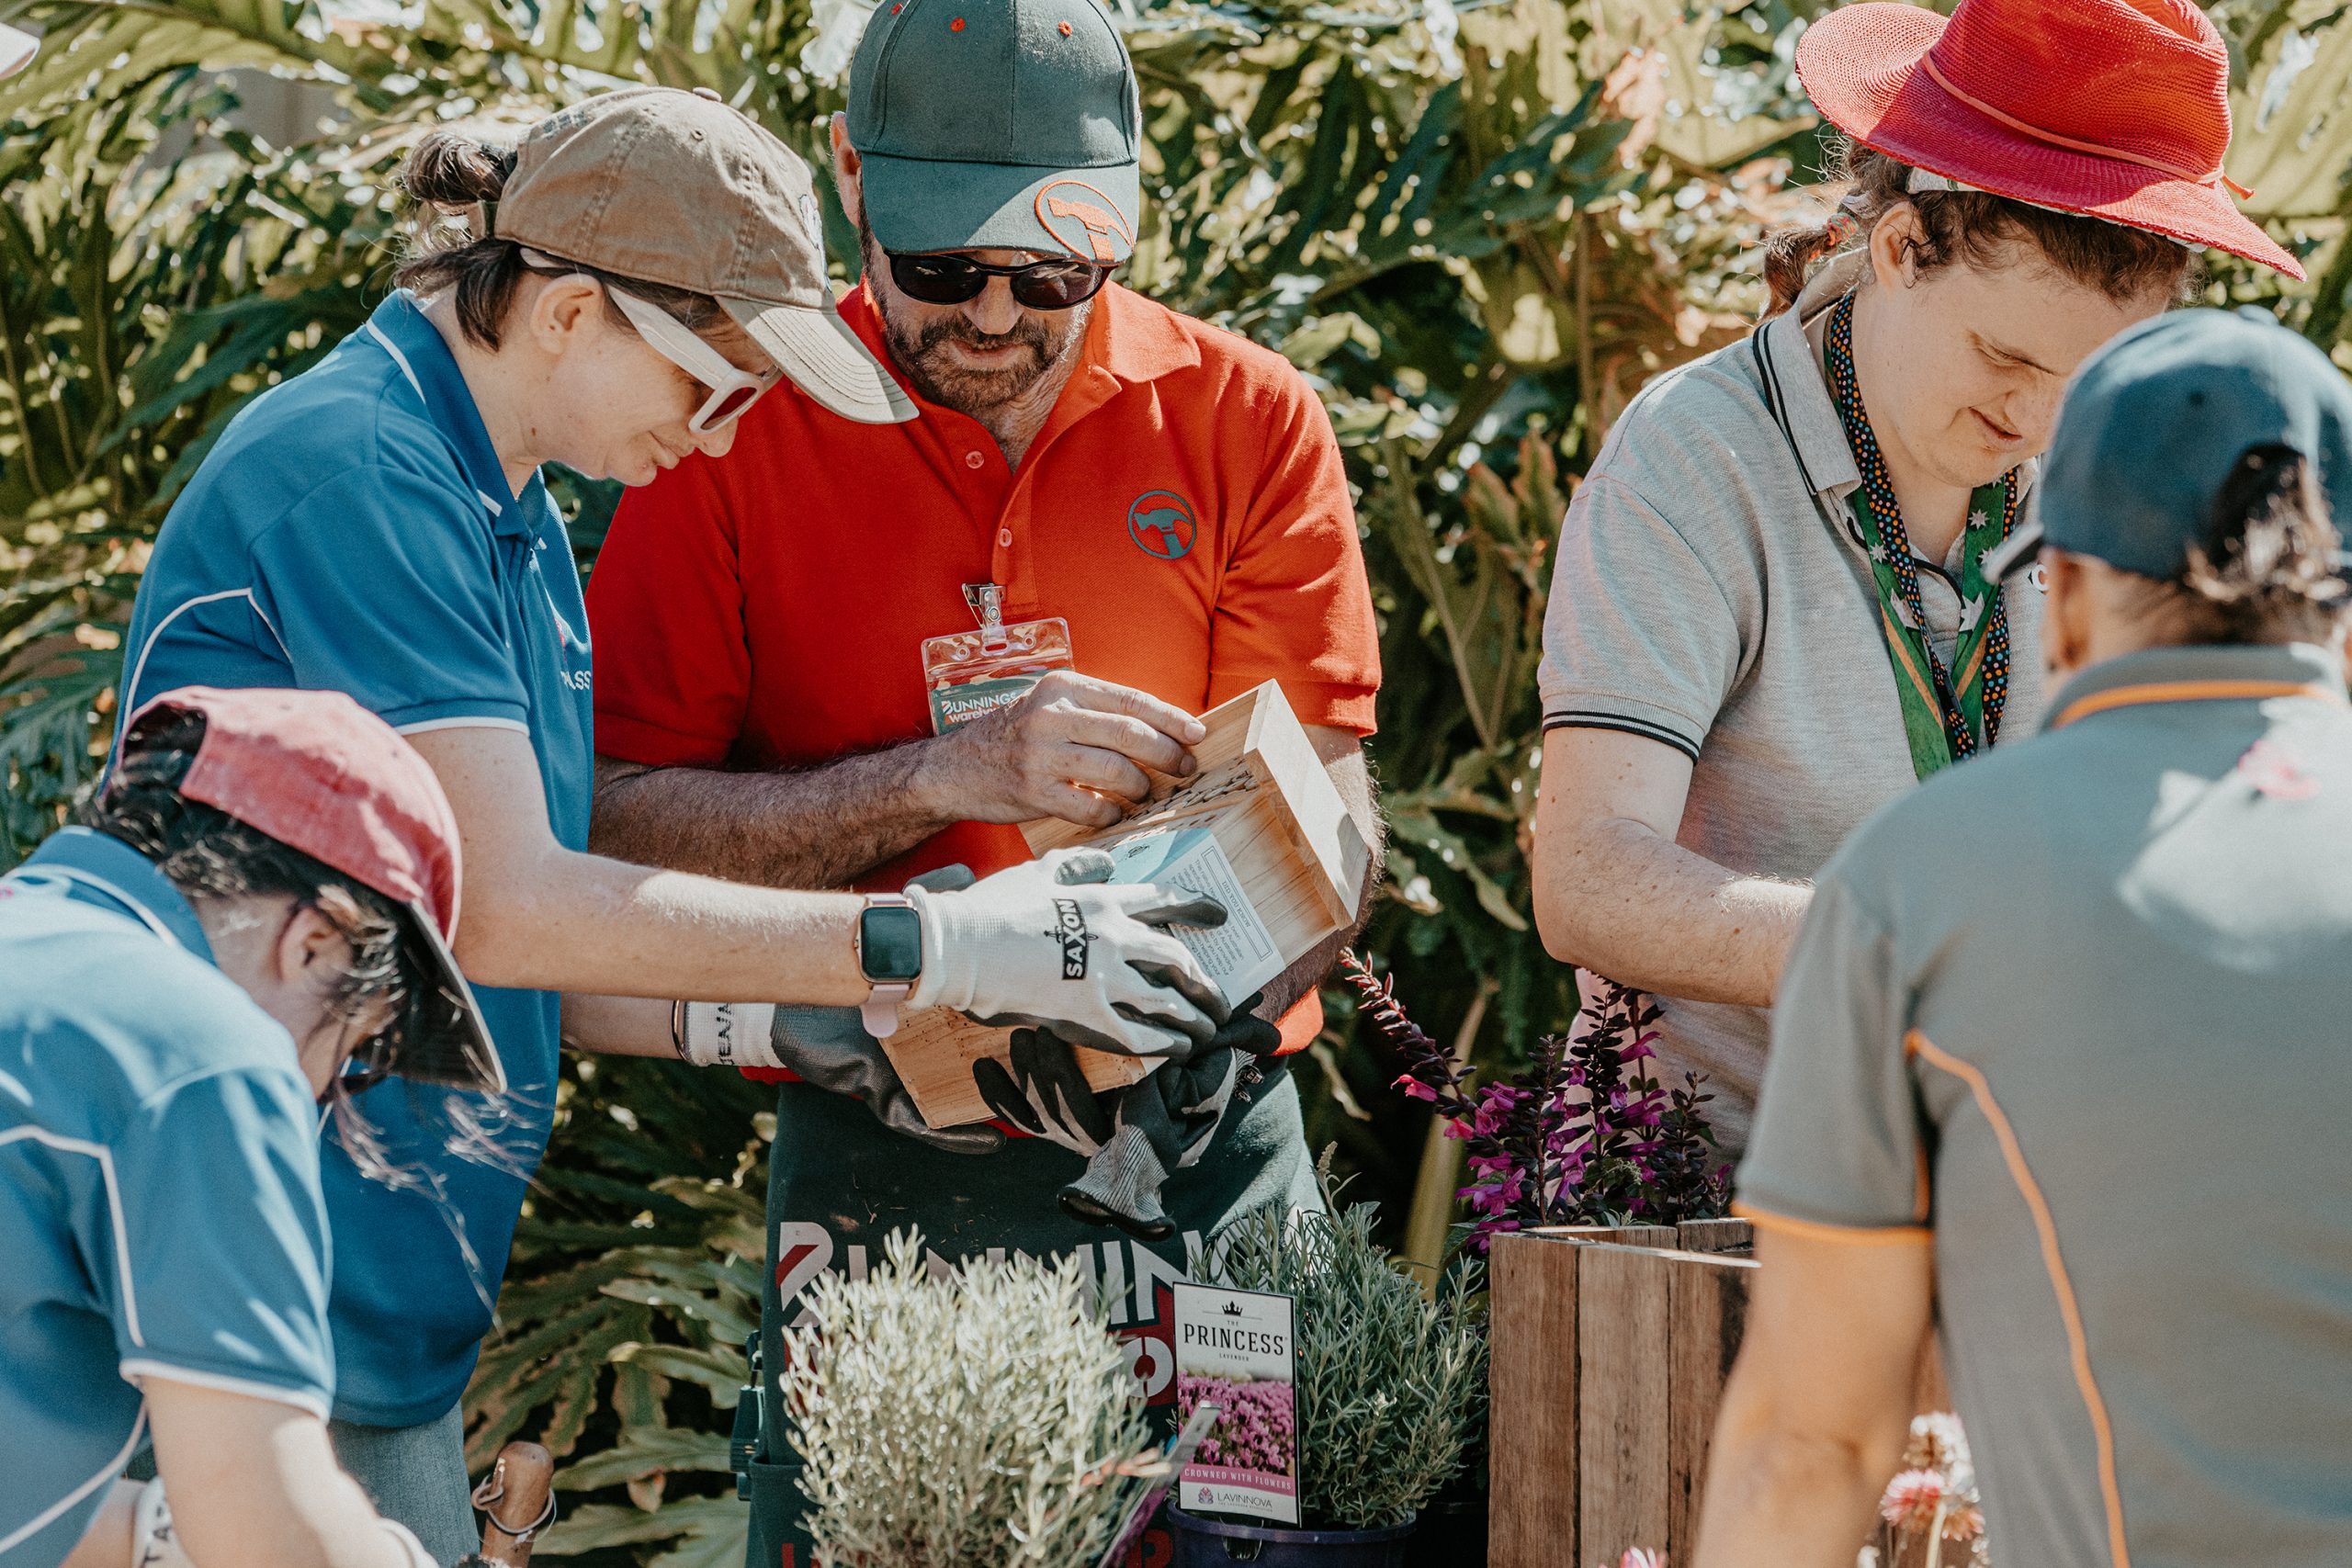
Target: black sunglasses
<point>943,277</point>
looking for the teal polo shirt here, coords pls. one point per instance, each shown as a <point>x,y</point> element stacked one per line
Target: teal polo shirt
<point>159,1213</point>
<point>2078,1014</point>
<point>353,531</point>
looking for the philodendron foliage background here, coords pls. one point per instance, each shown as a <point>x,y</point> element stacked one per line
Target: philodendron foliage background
<point>1477,227</point>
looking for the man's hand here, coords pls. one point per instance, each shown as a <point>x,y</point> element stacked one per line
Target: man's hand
<point>1074,747</point>
<point>1052,943</point>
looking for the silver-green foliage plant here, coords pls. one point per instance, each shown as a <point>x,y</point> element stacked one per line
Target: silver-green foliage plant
<point>1390,1381</point>
<point>979,1418</point>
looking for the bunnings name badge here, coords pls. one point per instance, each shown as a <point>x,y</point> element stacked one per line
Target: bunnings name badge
<point>1235,1350</point>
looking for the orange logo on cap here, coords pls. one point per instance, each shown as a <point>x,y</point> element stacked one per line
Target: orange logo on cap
<point>1098,220</point>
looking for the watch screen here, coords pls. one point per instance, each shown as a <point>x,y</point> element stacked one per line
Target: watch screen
<point>889,944</point>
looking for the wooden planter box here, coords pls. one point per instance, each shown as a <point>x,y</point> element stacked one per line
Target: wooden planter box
<point>1609,1351</point>
<point>1610,1347</point>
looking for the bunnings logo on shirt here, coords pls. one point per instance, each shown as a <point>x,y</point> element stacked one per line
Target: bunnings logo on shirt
<point>1161,523</point>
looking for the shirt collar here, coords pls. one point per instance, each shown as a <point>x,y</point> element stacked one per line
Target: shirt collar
<point>418,352</point>
<point>2240,670</point>
<point>1802,392</point>
<point>94,862</point>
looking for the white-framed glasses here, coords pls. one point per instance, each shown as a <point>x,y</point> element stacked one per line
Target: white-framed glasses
<point>732,388</point>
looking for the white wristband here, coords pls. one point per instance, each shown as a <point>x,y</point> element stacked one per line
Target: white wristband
<point>417,1556</point>
<point>729,1034</point>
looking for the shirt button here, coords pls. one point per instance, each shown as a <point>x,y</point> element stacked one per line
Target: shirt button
<point>972,460</point>
<point>1004,538</point>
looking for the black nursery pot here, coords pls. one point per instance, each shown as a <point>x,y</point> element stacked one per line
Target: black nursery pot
<point>1215,1543</point>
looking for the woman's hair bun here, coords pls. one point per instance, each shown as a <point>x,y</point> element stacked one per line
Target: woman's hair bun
<point>452,170</point>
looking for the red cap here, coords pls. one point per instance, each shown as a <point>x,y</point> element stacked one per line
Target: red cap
<point>322,774</point>
<point>2113,109</point>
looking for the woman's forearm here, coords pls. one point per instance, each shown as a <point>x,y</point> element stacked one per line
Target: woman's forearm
<point>1622,900</point>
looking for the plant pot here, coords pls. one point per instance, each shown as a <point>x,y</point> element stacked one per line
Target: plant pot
<point>1213,1543</point>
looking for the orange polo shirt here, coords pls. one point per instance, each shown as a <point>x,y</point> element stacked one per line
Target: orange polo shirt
<point>1184,510</point>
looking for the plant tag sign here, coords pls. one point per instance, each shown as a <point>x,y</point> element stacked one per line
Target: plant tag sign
<point>1240,954</point>
<point>1235,1349</point>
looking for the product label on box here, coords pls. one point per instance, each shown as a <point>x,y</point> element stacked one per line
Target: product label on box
<point>1240,955</point>
<point>1235,1349</point>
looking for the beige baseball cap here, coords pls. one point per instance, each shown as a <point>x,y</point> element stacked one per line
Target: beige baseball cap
<point>676,187</point>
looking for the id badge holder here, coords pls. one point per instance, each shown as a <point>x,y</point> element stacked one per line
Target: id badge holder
<point>968,675</point>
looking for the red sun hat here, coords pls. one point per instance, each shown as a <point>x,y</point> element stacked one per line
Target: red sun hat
<point>2118,109</point>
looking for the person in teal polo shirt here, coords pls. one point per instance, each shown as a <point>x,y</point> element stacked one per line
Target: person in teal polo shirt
<point>259,901</point>
<point>638,271</point>
<point>2060,1067</point>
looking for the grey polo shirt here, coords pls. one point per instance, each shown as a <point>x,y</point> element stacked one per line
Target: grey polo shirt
<point>1711,591</point>
<point>2080,1015</point>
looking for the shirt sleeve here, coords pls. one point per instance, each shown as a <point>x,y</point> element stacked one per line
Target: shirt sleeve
<point>1838,1147</point>
<point>1295,604</point>
<point>385,584</point>
<point>665,610</point>
<point>1638,634</point>
<point>222,1279</point>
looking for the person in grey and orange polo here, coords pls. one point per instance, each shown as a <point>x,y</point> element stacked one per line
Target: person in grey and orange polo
<point>1154,509</point>
<point>2060,1067</point>
<point>1769,613</point>
<point>640,271</point>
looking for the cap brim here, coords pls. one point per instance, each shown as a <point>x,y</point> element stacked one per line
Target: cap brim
<point>465,1058</point>
<point>824,358</point>
<point>18,48</point>
<point>915,204</point>
<point>1859,65</point>
<point>2015,553</point>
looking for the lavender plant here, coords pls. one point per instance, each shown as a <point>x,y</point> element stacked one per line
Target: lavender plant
<point>1391,1383</point>
<point>1584,1135</point>
<point>978,1420</point>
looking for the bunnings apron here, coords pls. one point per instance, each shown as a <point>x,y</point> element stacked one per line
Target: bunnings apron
<point>839,1182</point>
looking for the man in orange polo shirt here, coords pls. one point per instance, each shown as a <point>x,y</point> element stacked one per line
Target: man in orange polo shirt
<point>1089,472</point>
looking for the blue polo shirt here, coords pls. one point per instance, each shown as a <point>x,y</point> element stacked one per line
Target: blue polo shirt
<point>159,1213</point>
<point>353,531</point>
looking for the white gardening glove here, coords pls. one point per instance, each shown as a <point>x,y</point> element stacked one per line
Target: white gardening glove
<point>728,1034</point>
<point>1054,943</point>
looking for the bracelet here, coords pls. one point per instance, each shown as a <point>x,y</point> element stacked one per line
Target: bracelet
<point>678,1030</point>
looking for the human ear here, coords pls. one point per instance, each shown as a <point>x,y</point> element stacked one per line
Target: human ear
<point>2066,613</point>
<point>847,166</point>
<point>1895,239</point>
<point>564,307</point>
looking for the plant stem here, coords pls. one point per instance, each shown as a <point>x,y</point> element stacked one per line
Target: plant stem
<point>1441,1173</point>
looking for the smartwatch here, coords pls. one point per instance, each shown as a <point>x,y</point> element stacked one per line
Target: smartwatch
<point>889,954</point>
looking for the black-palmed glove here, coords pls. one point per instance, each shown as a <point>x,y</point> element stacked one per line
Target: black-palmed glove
<point>1043,1092</point>
<point>1165,1123</point>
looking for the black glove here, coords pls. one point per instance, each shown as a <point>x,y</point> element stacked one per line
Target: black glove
<point>1044,1093</point>
<point>829,1047</point>
<point>1164,1124</point>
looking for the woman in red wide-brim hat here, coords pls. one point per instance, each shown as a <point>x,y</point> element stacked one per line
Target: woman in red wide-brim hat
<point>1768,614</point>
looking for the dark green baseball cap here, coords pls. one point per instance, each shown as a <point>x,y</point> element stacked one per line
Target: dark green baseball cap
<point>998,125</point>
<point>2155,421</point>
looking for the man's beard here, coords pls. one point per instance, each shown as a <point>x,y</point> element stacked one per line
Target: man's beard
<point>922,350</point>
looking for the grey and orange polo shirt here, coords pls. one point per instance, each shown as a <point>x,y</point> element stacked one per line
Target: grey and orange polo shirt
<point>2079,1017</point>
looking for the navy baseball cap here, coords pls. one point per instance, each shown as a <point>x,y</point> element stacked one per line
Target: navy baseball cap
<point>2156,421</point>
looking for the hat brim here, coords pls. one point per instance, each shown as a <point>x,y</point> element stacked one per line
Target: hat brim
<point>1860,67</point>
<point>824,358</point>
<point>915,204</point>
<point>18,48</point>
<point>465,1058</point>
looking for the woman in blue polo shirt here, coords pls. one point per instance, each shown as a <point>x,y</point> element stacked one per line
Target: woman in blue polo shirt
<point>641,268</point>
